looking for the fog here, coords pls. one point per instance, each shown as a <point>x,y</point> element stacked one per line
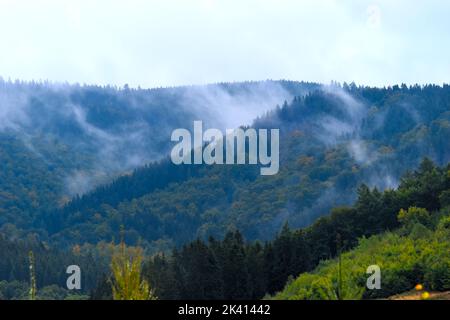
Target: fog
<point>139,126</point>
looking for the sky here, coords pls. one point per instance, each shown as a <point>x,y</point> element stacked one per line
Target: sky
<point>159,43</point>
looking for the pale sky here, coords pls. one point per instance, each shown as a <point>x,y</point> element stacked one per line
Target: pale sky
<point>178,42</point>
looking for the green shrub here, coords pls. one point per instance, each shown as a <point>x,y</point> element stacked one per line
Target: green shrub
<point>421,256</point>
<point>414,215</point>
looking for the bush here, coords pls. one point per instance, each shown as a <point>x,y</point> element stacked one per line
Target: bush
<point>414,215</point>
<point>437,276</point>
<point>405,259</point>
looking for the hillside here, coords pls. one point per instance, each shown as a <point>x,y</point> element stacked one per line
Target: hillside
<point>339,145</point>
<point>332,140</point>
<point>233,268</point>
<point>412,255</point>
<point>414,251</point>
<point>61,140</point>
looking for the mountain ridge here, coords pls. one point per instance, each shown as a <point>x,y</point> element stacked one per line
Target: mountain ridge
<point>331,142</point>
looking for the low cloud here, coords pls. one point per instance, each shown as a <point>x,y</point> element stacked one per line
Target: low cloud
<point>228,107</point>
<point>134,136</point>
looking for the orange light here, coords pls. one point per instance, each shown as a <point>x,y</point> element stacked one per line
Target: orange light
<point>419,287</point>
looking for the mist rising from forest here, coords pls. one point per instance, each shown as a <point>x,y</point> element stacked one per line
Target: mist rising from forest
<point>140,131</point>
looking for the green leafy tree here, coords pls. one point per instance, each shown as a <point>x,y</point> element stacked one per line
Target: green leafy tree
<point>414,215</point>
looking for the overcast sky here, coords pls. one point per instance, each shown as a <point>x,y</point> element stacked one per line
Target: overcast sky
<point>173,42</point>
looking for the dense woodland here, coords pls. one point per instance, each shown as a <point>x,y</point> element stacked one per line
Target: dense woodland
<point>51,267</point>
<point>233,268</point>
<point>60,140</point>
<point>417,253</point>
<point>340,145</point>
<point>332,141</point>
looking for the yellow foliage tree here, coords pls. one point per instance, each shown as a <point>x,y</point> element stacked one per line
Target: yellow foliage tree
<point>127,283</point>
<point>33,290</point>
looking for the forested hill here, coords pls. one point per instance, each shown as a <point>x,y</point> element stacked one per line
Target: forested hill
<point>404,231</point>
<point>332,140</point>
<point>60,140</point>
